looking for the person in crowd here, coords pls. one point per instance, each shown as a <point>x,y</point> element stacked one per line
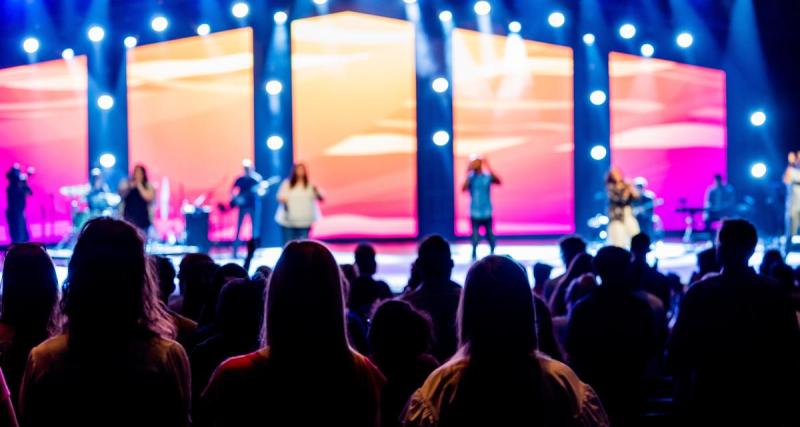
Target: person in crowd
<point>719,201</point>
<point>437,295</point>
<point>580,265</point>
<point>184,326</point>
<point>612,337</point>
<point>400,339</point>
<point>246,196</point>
<point>771,258</point>
<point>546,340</point>
<point>736,344</point>
<point>8,417</point>
<point>497,377</point>
<point>240,316</point>
<point>195,273</point>
<point>262,272</point>
<point>357,323</point>
<point>115,362</point>
<point>541,275</point>
<point>298,209</point>
<point>570,247</point>
<point>649,279</point>
<point>207,325</point>
<point>707,264</point>
<point>577,290</point>
<point>307,374</point>
<point>622,225</point>
<point>480,179</point>
<point>30,295</point>
<point>365,291</point>
<point>138,195</point>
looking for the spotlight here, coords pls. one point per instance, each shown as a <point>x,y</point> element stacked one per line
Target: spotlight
<point>203,30</point>
<point>440,85</point>
<point>130,42</point>
<point>159,24</point>
<point>409,1</point>
<point>627,31</point>
<point>556,19</point>
<point>647,50</point>
<point>514,26</point>
<point>588,39</point>
<point>30,45</point>
<point>758,118</point>
<point>273,87</point>
<point>441,138</point>
<point>105,102</point>
<point>280,17</point>
<point>758,170</point>
<point>445,16</point>
<point>598,97</point>
<point>67,54</point>
<point>107,160</point>
<point>482,7</point>
<point>275,143</point>
<point>96,33</point>
<point>320,2</point>
<point>684,40</point>
<point>240,9</point>
<point>598,152</point>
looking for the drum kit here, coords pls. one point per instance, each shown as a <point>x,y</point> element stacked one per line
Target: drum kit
<point>87,203</point>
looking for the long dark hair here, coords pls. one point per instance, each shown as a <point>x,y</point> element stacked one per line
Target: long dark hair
<point>293,178</point>
<point>144,173</point>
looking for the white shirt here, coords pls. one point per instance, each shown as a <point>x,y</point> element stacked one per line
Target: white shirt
<point>300,205</point>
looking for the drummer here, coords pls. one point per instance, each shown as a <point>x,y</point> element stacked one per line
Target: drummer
<point>100,199</point>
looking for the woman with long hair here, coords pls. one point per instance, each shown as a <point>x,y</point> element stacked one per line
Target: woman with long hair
<point>307,374</point>
<point>298,209</point>
<point>30,295</point>
<point>580,265</point>
<point>137,197</point>
<point>497,377</point>
<point>622,224</point>
<point>115,362</point>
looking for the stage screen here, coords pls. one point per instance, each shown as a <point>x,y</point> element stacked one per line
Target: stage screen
<point>44,124</point>
<point>513,105</point>
<point>353,83</point>
<point>190,113</point>
<point>668,126</point>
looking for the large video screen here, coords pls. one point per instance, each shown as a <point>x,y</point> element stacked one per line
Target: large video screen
<point>353,83</point>
<point>44,125</point>
<point>190,112</point>
<point>668,126</point>
<point>513,105</point>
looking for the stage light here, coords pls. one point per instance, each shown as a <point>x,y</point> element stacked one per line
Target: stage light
<point>320,2</point>
<point>627,31</point>
<point>105,102</point>
<point>598,97</point>
<point>588,39</point>
<point>67,54</point>
<point>758,118</point>
<point>514,26</point>
<point>409,1</point>
<point>159,24</point>
<point>441,138</point>
<point>30,45</point>
<point>440,85</point>
<point>482,8</point>
<point>647,50</point>
<point>240,9</point>
<point>758,170</point>
<point>556,19</point>
<point>684,40</point>
<point>598,152</point>
<point>130,42</point>
<point>273,87</point>
<point>445,16</point>
<point>275,143</point>
<point>96,33</point>
<point>107,160</point>
<point>280,17</point>
<point>203,30</point>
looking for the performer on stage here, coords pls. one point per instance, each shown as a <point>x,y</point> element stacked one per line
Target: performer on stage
<point>792,180</point>
<point>720,201</point>
<point>480,179</point>
<point>644,206</point>
<point>246,197</point>
<point>298,208</point>
<point>17,194</point>
<point>137,197</point>
<point>622,225</point>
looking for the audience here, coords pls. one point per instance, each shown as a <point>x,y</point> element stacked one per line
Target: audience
<point>497,378</point>
<point>365,291</point>
<point>577,290</point>
<point>194,282</point>
<point>30,295</point>
<point>735,349</point>
<point>437,295</point>
<point>307,374</point>
<point>541,274</point>
<point>184,326</point>
<point>581,264</point>
<point>771,258</point>
<point>207,325</point>
<point>114,363</point>
<point>707,264</point>
<point>357,324</point>
<point>648,278</point>
<point>570,247</point>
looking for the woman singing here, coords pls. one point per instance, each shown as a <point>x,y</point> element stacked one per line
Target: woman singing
<point>298,199</point>
<point>137,195</point>
<point>622,225</point>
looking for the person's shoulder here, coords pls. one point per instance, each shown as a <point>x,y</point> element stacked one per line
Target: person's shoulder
<point>445,376</point>
<point>242,365</point>
<point>368,368</point>
<point>588,409</point>
<point>50,353</point>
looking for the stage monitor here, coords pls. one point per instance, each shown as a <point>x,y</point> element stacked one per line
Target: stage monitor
<point>44,125</point>
<point>668,126</point>
<point>353,87</point>
<point>190,119</point>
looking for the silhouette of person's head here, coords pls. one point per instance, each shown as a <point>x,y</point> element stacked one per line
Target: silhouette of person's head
<point>365,259</point>
<point>166,276</point>
<point>612,264</point>
<point>707,262</point>
<point>771,258</point>
<point>571,246</point>
<point>640,246</point>
<point>30,290</point>
<point>223,275</point>
<point>541,273</point>
<point>398,331</point>
<point>240,309</point>
<point>736,243</point>
<point>194,281</point>
<point>718,179</point>
<point>262,272</point>
<point>434,260</point>
<point>580,288</point>
<point>784,274</point>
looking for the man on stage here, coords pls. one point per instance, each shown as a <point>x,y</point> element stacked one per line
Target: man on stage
<point>720,200</point>
<point>245,196</point>
<point>479,183</point>
<point>644,206</point>
<point>792,180</point>
<point>17,193</point>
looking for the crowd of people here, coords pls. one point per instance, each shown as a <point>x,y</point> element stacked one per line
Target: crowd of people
<point>311,342</point>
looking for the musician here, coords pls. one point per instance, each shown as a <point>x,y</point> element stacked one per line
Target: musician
<point>246,197</point>
<point>644,206</point>
<point>137,197</point>
<point>298,208</point>
<point>480,179</point>
<point>720,201</point>
<point>97,197</point>
<point>17,194</point>
<point>622,225</point>
<point>792,180</point>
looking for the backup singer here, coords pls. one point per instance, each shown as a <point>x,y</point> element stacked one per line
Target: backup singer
<point>137,197</point>
<point>622,225</point>
<point>297,210</point>
<point>479,184</point>
<point>245,196</point>
<point>792,180</point>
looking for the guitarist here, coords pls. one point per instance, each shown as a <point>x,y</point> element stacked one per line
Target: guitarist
<point>245,196</point>
<point>644,206</point>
